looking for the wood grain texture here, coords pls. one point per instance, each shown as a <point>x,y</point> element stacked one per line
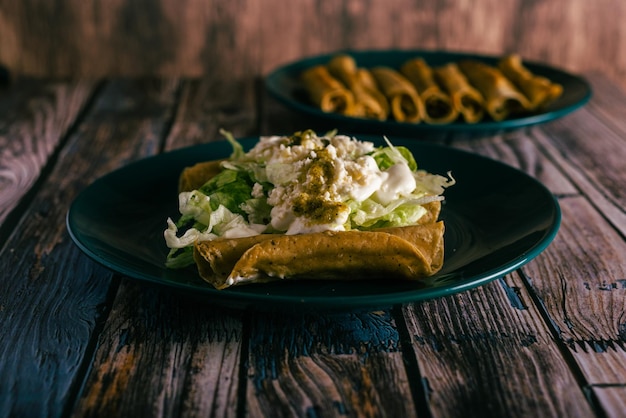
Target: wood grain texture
<point>519,149</point>
<point>591,149</point>
<point>163,354</point>
<point>586,306</point>
<point>51,296</point>
<point>34,117</point>
<point>197,348</point>
<point>246,38</point>
<point>548,339</point>
<point>482,345</point>
<point>327,365</point>
<point>206,106</point>
<point>587,303</point>
<point>612,396</point>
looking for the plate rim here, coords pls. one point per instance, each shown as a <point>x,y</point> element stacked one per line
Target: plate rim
<point>244,299</point>
<point>274,77</point>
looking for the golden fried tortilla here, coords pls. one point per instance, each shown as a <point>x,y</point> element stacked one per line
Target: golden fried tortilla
<point>369,102</point>
<point>326,92</point>
<point>408,253</point>
<point>411,252</point>
<point>195,176</point>
<point>540,91</point>
<point>466,99</point>
<point>502,98</point>
<point>405,104</point>
<point>438,107</point>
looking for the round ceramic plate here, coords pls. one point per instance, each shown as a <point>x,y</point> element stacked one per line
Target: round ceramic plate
<point>497,219</point>
<point>283,84</point>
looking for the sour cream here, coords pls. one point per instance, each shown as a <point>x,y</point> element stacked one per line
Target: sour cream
<point>315,178</point>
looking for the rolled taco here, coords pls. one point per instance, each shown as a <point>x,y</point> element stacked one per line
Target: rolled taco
<point>326,92</point>
<point>465,98</point>
<point>438,107</point>
<point>405,104</point>
<point>367,79</point>
<point>368,102</point>
<point>539,90</point>
<point>195,176</point>
<point>502,98</point>
<point>408,253</point>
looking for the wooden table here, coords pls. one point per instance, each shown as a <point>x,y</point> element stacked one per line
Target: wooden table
<point>77,339</point>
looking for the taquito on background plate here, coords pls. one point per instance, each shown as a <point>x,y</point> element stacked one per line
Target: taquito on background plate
<point>369,102</point>
<point>438,107</point>
<point>465,98</point>
<point>327,92</point>
<point>539,91</point>
<point>404,101</point>
<point>502,98</point>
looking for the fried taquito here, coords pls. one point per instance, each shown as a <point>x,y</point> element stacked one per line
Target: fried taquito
<point>466,99</point>
<point>438,107</point>
<point>369,103</point>
<point>326,92</point>
<point>502,98</point>
<point>405,104</point>
<point>539,90</point>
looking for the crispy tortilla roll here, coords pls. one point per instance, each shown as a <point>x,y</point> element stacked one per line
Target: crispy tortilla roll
<point>405,104</point>
<point>327,92</point>
<point>540,91</point>
<point>466,99</point>
<point>367,79</point>
<point>502,98</point>
<point>216,260</point>
<point>408,253</point>
<point>195,176</point>
<point>369,102</point>
<point>438,108</point>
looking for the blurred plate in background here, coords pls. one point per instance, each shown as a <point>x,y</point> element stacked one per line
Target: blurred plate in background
<point>283,84</point>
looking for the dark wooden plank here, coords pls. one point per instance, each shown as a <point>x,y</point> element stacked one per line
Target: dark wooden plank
<point>197,347</point>
<point>608,102</point>
<point>320,364</point>
<point>614,397</point>
<point>487,352</point>
<point>208,105</point>
<point>34,117</point>
<point>590,148</point>
<point>164,354</point>
<point>583,289</point>
<point>519,149</point>
<point>52,297</point>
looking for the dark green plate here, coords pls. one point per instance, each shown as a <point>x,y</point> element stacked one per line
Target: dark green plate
<point>283,84</point>
<point>497,219</point>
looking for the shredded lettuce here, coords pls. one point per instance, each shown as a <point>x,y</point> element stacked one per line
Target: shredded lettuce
<point>229,188</point>
<point>238,152</point>
<point>390,155</point>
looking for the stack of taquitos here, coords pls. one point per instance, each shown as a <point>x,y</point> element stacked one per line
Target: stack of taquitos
<point>369,102</point>
<point>469,89</point>
<point>468,101</point>
<point>438,106</point>
<point>501,97</point>
<point>405,103</point>
<point>326,92</point>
